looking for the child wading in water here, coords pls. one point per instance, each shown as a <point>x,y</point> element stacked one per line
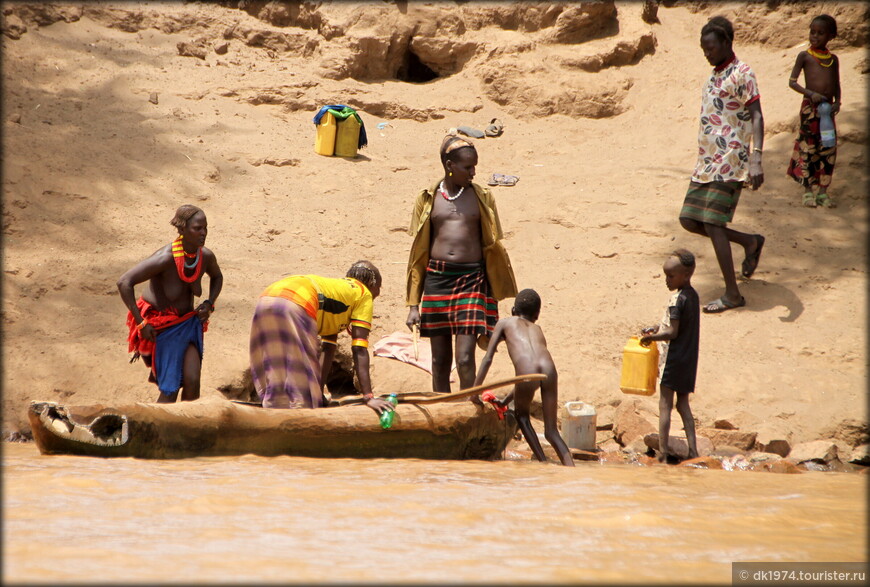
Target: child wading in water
<point>812,163</point>
<point>680,327</point>
<point>528,352</point>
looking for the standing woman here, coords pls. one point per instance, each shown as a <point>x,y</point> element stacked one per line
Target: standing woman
<point>164,327</point>
<point>458,268</point>
<point>288,365</point>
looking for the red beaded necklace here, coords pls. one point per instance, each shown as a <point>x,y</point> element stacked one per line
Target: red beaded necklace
<point>179,254</point>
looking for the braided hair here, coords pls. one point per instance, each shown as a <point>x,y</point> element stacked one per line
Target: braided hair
<point>721,27</point>
<point>182,215</point>
<point>366,273</point>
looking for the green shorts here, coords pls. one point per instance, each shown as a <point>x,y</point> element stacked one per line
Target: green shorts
<point>712,203</point>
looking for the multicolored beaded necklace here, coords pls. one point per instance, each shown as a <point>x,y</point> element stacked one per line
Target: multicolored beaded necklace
<point>447,197</point>
<point>181,264</point>
<point>822,56</point>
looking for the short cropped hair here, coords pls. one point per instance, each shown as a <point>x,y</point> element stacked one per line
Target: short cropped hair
<point>721,27</point>
<point>829,23</point>
<point>686,258</point>
<point>528,303</point>
<point>182,215</point>
<point>366,273</point>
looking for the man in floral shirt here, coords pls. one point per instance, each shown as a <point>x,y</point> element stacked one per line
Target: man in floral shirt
<point>731,120</point>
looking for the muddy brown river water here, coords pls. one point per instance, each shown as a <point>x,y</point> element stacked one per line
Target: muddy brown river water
<point>288,519</point>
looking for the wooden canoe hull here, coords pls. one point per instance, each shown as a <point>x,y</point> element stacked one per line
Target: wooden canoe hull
<point>451,431</point>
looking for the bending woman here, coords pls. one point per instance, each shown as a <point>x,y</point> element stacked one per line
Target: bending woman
<point>288,365</point>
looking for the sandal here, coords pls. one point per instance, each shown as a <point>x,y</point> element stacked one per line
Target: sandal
<point>809,200</point>
<point>470,132</point>
<point>825,201</point>
<point>720,305</point>
<point>750,263</point>
<point>495,128</point>
<point>502,179</point>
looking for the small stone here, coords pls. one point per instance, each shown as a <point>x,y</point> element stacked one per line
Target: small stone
<point>708,462</point>
<point>221,48</point>
<point>782,466</point>
<point>764,457</point>
<point>730,437</point>
<point>636,446</point>
<point>860,455</point>
<point>633,418</point>
<point>190,50</point>
<point>153,98</point>
<point>723,424</point>
<point>817,450</point>
<point>726,451</point>
<point>678,445</point>
<point>609,446</point>
<point>583,455</point>
<point>16,118</point>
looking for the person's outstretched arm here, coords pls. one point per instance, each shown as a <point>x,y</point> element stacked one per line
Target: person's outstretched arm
<point>215,285</point>
<point>140,273</point>
<point>666,333</point>
<point>486,363</point>
<point>360,351</point>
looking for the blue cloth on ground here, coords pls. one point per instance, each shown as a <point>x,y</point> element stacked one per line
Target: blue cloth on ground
<point>169,353</point>
<point>341,112</point>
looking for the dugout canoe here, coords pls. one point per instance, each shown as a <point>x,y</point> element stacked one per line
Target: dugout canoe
<point>453,431</point>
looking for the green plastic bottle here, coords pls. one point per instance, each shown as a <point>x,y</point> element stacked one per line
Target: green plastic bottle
<point>387,417</point>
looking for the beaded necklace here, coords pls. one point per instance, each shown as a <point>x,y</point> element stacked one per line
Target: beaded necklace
<point>181,264</point>
<point>448,197</point>
<point>822,56</point>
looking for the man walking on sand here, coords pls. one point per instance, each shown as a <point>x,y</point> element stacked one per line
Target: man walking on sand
<point>731,119</point>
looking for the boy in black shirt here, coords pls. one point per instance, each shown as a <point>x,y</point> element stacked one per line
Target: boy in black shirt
<point>680,327</point>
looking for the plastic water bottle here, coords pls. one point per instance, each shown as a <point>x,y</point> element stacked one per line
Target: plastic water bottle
<point>826,126</point>
<point>387,416</point>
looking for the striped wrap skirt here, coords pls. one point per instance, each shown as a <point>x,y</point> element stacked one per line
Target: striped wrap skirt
<point>457,299</point>
<point>712,203</point>
<point>285,355</point>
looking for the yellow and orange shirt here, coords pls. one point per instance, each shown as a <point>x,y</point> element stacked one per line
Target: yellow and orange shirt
<point>334,303</point>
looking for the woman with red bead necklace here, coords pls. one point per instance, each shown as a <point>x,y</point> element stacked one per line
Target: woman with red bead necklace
<point>458,268</point>
<point>812,162</point>
<point>165,328</point>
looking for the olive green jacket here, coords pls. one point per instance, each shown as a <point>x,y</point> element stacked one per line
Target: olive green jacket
<point>499,272</point>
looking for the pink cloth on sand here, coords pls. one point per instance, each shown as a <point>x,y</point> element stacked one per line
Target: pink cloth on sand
<point>400,346</point>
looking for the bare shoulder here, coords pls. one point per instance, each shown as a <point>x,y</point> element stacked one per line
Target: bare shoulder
<point>163,254</point>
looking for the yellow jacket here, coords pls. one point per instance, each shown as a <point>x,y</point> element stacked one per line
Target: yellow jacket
<point>499,272</point>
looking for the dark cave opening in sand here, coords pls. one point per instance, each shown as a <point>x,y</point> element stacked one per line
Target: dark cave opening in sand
<point>413,70</point>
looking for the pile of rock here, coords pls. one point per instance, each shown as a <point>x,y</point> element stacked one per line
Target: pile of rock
<point>628,432</point>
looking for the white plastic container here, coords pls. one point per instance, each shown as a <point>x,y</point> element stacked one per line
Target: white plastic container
<point>578,425</point>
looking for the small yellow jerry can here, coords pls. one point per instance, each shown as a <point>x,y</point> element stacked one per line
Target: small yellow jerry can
<point>640,367</point>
